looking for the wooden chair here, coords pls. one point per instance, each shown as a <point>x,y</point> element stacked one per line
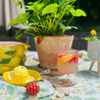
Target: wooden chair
<point>79,44</point>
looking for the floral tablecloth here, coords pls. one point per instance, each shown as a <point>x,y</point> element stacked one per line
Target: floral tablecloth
<point>87,84</point>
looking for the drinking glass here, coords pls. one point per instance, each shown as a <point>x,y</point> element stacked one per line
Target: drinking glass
<point>67,64</point>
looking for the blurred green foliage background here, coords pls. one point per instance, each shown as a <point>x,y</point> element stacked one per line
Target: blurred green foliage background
<point>92,21</point>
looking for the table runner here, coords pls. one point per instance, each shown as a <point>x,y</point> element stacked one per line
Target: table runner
<point>87,82</point>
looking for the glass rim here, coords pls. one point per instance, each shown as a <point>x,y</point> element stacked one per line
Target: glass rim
<point>68,50</point>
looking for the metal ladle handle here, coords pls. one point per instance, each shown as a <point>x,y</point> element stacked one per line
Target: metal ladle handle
<point>43,72</point>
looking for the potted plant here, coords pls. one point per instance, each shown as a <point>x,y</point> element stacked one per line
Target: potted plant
<point>45,17</point>
<point>93,47</point>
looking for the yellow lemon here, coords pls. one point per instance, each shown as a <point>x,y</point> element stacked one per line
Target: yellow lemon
<point>20,73</point>
<point>25,45</point>
<point>20,51</point>
<point>20,70</point>
<point>4,68</point>
<point>4,50</point>
<point>15,61</point>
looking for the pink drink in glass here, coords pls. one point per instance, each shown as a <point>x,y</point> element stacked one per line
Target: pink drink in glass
<point>68,64</point>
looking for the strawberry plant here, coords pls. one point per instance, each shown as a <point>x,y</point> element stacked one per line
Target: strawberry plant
<point>45,17</point>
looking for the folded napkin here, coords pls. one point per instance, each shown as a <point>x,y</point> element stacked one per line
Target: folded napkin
<point>11,92</point>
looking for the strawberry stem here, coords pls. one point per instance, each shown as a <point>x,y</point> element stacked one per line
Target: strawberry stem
<point>31,82</point>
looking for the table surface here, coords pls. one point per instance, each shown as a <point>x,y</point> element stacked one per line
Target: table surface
<point>87,82</point>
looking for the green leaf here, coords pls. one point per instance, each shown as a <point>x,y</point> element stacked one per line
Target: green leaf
<point>36,7</point>
<point>91,92</point>
<point>45,89</point>
<point>95,38</point>
<point>29,24</point>
<point>30,3</point>
<point>49,9</point>
<point>74,27</point>
<point>45,1</point>
<point>5,61</point>
<point>72,11</point>
<point>62,2</point>
<point>91,98</point>
<point>21,19</point>
<point>2,85</point>
<point>33,18</point>
<point>87,38</point>
<point>77,98</point>
<point>64,27</point>
<point>9,52</point>
<point>77,13</point>
<point>19,34</point>
<point>10,89</point>
<point>31,82</point>
<point>37,85</point>
<point>68,7</point>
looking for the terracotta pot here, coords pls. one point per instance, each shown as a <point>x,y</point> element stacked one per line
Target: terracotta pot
<point>47,50</point>
<point>94,50</point>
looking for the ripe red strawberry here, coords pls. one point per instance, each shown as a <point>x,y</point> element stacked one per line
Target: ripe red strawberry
<point>81,54</point>
<point>75,59</point>
<point>39,41</point>
<point>33,88</point>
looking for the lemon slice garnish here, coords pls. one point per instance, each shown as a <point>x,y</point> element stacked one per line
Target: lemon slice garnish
<point>66,58</point>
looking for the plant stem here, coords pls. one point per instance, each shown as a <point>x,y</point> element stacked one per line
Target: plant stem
<point>73,2</point>
<point>70,20</point>
<point>20,9</point>
<point>17,5</point>
<point>29,33</point>
<point>92,37</point>
<point>38,16</point>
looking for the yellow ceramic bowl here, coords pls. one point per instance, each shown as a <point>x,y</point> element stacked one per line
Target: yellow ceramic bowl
<point>6,76</point>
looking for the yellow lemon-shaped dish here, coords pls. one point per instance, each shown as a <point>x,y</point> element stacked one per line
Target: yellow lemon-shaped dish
<point>10,79</point>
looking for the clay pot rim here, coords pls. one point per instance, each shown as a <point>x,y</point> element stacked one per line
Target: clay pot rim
<point>60,36</point>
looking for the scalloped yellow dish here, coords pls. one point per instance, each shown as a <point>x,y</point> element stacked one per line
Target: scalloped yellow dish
<point>6,76</point>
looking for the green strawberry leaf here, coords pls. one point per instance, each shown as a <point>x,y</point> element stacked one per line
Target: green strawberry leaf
<point>64,27</point>
<point>37,85</point>
<point>49,9</point>
<point>19,34</point>
<point>21,19</point>
<point>29,24</point>
<point>77,13</point>
<point>31,82</point>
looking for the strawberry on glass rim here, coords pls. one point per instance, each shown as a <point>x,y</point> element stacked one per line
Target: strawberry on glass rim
<point>75,59</point>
